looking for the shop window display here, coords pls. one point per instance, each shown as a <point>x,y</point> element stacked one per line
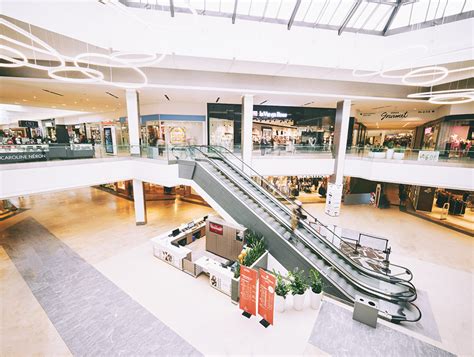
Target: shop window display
<point>456,138</point>
<point>173,133</point>
<point>308,189</point>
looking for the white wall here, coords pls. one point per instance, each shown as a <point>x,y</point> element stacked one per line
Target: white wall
<point>412,173</point>
<point>293,166</point>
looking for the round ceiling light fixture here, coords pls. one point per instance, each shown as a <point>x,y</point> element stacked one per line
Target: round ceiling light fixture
<point>93,74</point>
<point>13,61</point>
<point>452,98</point>
<point>144,58</point>
<point>121,64</point>
<point>46,49</point>
<point>469,91</point>
<point>437,73</point>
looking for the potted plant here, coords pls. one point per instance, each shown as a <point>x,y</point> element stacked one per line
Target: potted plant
<point>298,286</point>
<point>389,153</point>
<point>281,291</point>
<point>377,152</point>
<point>316,284</point>
<point>399,154</point>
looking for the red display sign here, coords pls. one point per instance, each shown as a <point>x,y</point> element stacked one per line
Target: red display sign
<point>216,228</point>
<point>266,295</point>
<point>248,290</point>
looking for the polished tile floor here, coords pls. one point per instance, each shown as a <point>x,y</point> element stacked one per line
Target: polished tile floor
<point>100,228</point>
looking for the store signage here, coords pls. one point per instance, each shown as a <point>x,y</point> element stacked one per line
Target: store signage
<point>27,124</point>
<point>10,157</point>
<point>333,200</point>
<point>266,295</point>
<point>248,290</point>
<point>266,114</point>
<point>428,155</point>
<point>393,115</point>
<point>408,115</point>
<point>216,228</point>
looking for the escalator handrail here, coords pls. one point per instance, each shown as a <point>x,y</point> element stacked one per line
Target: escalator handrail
<point>370,289</point>
<point>307,226</point>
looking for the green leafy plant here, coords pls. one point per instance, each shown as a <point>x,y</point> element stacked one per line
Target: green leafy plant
<point>255,249</point>
<point>281,288</point>
<point>315,281</point>
<point>298,282</point>
<point>377,148</point>
<point>390,145</point>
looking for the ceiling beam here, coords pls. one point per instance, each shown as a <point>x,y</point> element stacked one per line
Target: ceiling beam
<point>392,17</point>
<point>349,16</point>
<point>234,14</point>
<point>172,8</point>
<point>293,14</point>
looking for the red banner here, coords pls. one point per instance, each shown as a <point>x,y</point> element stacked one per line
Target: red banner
<point>216,228</point>
<point>266,295</point>
<point>248,290</point>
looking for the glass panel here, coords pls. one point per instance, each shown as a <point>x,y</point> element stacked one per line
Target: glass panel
<point>357,14</point>
<point>286,9</point>
<point>272,9</point>
<point>341,13</point>
<point>227,7</point>
<point>243,7</point>
<point>330,10</point>
<point>314,11</point>
<point>365,16</point>
<point>403,17</point>
<point>257,8</point>
<point>304,7</point>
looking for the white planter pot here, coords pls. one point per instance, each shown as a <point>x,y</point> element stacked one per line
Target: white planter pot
<point>315,300</point>
<point>280,303</point>
<point>370,154</point>
<point>389,153</point>
<point>298,301</point>
<point>378,155</point>
<point>398,155</point>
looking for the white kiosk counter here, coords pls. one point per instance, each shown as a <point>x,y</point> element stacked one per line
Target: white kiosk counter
<point>171,248</point>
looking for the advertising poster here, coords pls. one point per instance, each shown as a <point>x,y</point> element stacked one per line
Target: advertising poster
<point>109,145</point>
<point>216,228</point>
<point>248,290</point>
<point>333,199</point>
<point>266,295</point>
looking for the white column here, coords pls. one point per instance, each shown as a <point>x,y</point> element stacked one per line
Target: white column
<point>341,128</point>
<point>133,116</point>
<point>247,123</point>
<point>139,202</point>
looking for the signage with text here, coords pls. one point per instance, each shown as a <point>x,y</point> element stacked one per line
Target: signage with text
<point>406,115</point>
<point>27,124</point>
<point>216,228</point>
<point>248,290</point>
<point>266,295</point>
<point>428,155</point>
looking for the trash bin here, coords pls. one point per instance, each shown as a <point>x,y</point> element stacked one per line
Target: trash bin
<point>365,311</point>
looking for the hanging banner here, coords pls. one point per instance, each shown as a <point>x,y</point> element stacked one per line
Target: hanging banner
<point>248,290</point>
<point>266,295</point>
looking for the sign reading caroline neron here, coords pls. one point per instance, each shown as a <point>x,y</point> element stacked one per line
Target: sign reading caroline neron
<point>216,228</point>
<point>266,295</point>
<point>248,290</point>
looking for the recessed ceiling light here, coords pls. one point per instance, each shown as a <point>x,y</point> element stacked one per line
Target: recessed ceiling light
<point>24,100</point>
<point>264,102</point>
<point>87,99</point>
<point>63,105</point>
<point>75,102</point>
<point>106,106</point>
<point>17,103</point>
<point>166,96</point>
<point>93,107</point>
<point>34,97</point>
<point>53,106</point>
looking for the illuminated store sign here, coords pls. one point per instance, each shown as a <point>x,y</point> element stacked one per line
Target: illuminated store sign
<point>398,115</point>
<point>266,114</point>
<point>393,115</point>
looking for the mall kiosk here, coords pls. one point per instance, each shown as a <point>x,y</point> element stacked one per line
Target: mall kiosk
<point>223,243</point>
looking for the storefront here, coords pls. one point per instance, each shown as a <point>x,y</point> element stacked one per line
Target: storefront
<point>451,135</point>
<point>307,189</point>
<point>399,137</point>
<point>271,125</point>
<point>172,130</point>
<point>154,192</point>
<point>453,208</point>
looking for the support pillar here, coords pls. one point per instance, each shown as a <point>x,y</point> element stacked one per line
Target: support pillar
<point>133,116</point>
<point>335,182</point>
<point>247,123</point>
<point>139,202</point>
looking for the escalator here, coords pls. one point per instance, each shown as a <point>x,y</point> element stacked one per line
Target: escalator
<point>263,208</point>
